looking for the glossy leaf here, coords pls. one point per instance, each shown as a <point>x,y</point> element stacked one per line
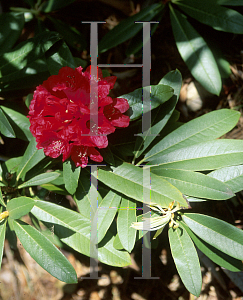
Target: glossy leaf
<point>106,213</point>
<point>195,53</point>
<point>205,128</point>
<point>59,56</point>
<point>221,235</point>
<point>126,29</point>
<point>27,52</point>
<point>162,113</point>
<point>40,179</point>
<point>55,189</point>
<point>217,256</point>
<point>5,127</point>
<point>2,239</point>
<point>11,25</point>
<point>230,2</point>
<point>203,156</point>
<point>44,252</point>
<point>195,184</point>
<point>31,158</point>
<point>71,176</point>
<point>19,123</point>
<point>216,16</point>
<point>232,176</point>
<point>186,259</point>
<point>19,207</point>
<point>1,199</point>
<point>70,34</point>
<point>159,94</point>
<point>126,216</point>
<point>128,180</point>
<point>74,230</point>
<point>83,196</point>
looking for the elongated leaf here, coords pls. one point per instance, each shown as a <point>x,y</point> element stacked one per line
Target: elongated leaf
<point>196,184</point>
<point>217,256</point>
<point>186,259</point>
<point>27,52</point>
<point>106,213</point>
<point>19,123</point>
<point>70,34</point>
<point>221,235</point>
<point>128,180</point>
<point>203,156</point>
<point>70,176</point>
<point>11,25</point>
<point>45,253</point>
<point>126,216</point>
<point>126,29</point>
<point>195,52</point>
<point>83,196</point>
<point>5,127</point>
<point>230,2</point>
<point>40,179</point>
<point>59,56</point>
<point>163,113</point>
<point>74,230</point>
<point>20,206</point>
<point>55,189</point>
<point>205,128</point>
<point>232,176</point>
<point>31,158</point>
<point>216,16</point>
<point>159,94</point>
<point>2,239</point>
<point>1,199</point>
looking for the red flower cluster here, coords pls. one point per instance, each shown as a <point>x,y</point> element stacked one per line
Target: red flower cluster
<point>60,115</point>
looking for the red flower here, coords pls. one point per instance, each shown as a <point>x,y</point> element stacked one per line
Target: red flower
<point>60,115</point>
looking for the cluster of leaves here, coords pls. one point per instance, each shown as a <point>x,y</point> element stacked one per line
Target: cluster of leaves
<point>203,58</point>
<point>187,163</point>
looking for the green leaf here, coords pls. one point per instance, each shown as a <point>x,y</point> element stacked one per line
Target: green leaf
<point>74,230</point>
<point>70,34</point>
<point>162,114</point>
<point>126,29</point>
<point>40,179</point>
<point>128,180</point>
<point>205,128</point>
<point>232,176</point>
<point>45,253</point>
<point>221,235</point>
<point>230,2</point>
<point>106,213</point>
<point>19,123</point>
<point>159,95</point>
<point>216,16</point>
<point>2,239</point>
<point>52,5</point>
<point>136,43</point>
<point>31,158</point>
<point>195,52</point>
<point>1,199</point>
<point>203,156</point>
<point>217,256</point>
<point>83,196</point>
<point>126,216</point>
<point>55,189</point>
<point>186,259</point>
<point>195,184</point>
<point>59,56</point>
<point>5,127</point>
<point>27,52</point>
<point>11,25</point>
<point>19,207</point>
<point>71,175</point>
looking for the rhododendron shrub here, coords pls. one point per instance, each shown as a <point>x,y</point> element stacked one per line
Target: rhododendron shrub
<point>60,115</point>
